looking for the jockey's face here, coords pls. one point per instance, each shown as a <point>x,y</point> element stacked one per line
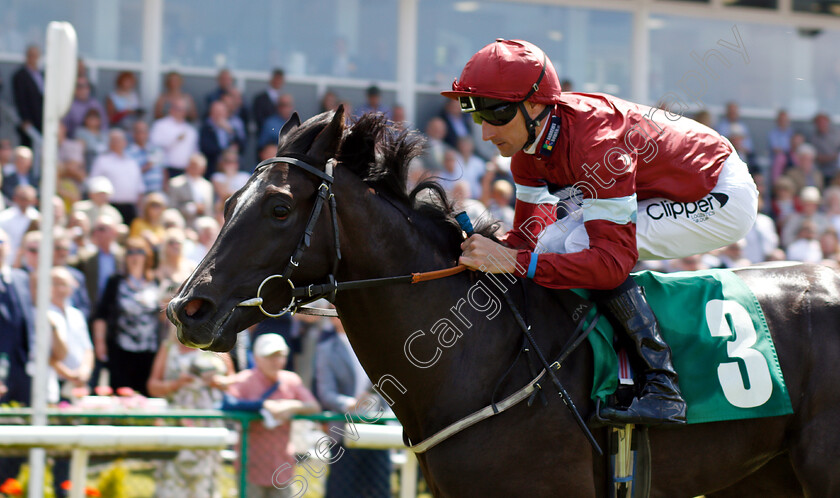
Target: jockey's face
<point>510,138</point>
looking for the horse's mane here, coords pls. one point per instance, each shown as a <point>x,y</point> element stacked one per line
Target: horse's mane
<point>381,156</point>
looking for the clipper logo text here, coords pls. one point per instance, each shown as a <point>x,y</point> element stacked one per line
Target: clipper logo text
<point>697,211</point>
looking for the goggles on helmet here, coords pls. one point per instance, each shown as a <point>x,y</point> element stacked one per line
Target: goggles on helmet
<point>495,112</point>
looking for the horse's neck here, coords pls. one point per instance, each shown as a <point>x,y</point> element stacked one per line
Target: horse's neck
<point>462,341</point>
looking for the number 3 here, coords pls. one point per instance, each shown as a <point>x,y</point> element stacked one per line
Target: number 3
<point>729,373</point>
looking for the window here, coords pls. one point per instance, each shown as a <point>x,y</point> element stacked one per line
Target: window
<point>591,48</point>
<point>341,38</point>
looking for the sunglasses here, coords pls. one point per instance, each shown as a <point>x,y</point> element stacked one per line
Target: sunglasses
<point>135,251</point>
<point>495,112</point>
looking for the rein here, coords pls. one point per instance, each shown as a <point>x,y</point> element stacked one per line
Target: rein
<point>312,292</point>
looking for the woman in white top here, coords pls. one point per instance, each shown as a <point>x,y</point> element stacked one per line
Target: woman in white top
<point>229,178</point>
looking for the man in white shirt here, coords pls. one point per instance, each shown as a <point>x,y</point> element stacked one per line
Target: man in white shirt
<point>71,324</point>
<point>177,138</point>
<point>191,193</point>
<point>15,219</point>
<point>124,173</point>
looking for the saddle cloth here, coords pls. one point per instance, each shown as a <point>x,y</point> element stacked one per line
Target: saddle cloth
<point>721,346</point>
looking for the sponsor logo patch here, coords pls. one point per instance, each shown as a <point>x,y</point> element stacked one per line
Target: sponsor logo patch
<point>697,211</point>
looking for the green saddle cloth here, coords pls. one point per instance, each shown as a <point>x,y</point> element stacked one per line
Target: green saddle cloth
<point>721,346</point>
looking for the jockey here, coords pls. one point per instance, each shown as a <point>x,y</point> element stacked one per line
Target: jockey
<point>601,183</point>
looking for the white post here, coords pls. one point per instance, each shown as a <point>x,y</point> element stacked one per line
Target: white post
<point>152,43</point>
<point>408,476</point>
<point>407,57</point>
<point>59,82</point>
<point>78,473</point>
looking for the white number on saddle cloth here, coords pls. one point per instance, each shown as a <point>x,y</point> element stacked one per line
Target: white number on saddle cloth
<point>729,373</point>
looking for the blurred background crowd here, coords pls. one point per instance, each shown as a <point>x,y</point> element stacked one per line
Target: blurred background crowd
<point>140,196</point>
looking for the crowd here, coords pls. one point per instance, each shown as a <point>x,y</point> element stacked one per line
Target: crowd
<point>140,196</point>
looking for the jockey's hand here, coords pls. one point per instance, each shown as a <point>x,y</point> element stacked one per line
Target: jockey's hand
<point>481,253</point>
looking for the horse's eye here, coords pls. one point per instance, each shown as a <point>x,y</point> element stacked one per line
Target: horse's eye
<point>281,212</point>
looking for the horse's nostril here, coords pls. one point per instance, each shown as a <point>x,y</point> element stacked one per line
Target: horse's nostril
<point>193,307</point>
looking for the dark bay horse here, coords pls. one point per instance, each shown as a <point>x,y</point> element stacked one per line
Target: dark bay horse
<point>438,349</point>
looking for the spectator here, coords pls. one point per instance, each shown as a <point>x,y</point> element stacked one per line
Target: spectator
<point>126,322</point>
<point>224,83</point>
<point>217,134</point>
<point>28,92</point>
<point>176,137</point>
<point>123,172</point>
<point>806,247</point>
<point>498,202</point>
<point>738,137</point>
<point>272,125</point>
<point>373,103</point>
<point>22,173</point>
<point>265,103</point>
<point>329,102</point>
<point>28,255</point>
<point>831,207</point>
<point>724,126</point>
<point>189,378</point>
<point>460,196</point>
<point>99,196</point>
<point>398,118</point>
<point>433,153</point>
<point>342,386</point>
<point>123,104</point>
<point>472,166</point>
<point>174,267</point>
<point>703,116</point>
<point>458,124</point>
<point>93,134</point>
<point>62,245</point>
<point>229,178</point>
<point>83,102</point>
<point>16,219</point>
<point>784,200</point>
<point>779,137</point>
<point>804,173</point>
<point>78,228</point>
<point>762,238</point>
<point>148,156</point>
<point>452,171</point>
<point>172,92</point>
<point>207,229</point>
<point>71,167</point>
<point>192,194</point>
<point>104,261</point>
<point>827,141</point>
<point>271,456</point>
<point>17,323</point>
<point>76,367</point>
<point>149,225</point>
<point>830,246</point>
<point>6,155</point>
<point>732,256</point>
<point>809,200</point>
<point>237,114</point>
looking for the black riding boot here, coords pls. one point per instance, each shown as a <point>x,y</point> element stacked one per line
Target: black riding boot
<point>660,401</point>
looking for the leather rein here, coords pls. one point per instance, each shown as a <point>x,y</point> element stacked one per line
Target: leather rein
<point>309,293</point>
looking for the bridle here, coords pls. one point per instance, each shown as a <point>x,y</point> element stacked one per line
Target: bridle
<point>312,292</point>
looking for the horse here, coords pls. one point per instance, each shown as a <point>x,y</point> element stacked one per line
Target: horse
<point>442,349</point>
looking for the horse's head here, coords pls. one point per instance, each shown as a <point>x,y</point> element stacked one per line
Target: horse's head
<point>264,227</point>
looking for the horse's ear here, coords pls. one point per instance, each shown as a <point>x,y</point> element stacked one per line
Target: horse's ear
<point>290,125</point>
<point>326,143</point>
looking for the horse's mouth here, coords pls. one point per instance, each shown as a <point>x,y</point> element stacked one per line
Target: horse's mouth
<point>214,335</point>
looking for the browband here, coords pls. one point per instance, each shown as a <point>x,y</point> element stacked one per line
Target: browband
<point>301,164</point>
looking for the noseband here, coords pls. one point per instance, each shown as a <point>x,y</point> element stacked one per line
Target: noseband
<point>301,296</point>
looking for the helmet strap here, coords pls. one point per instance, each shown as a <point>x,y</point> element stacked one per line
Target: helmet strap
<point>533,123</point>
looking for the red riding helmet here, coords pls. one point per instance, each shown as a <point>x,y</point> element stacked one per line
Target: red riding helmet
<point>512,70</point>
